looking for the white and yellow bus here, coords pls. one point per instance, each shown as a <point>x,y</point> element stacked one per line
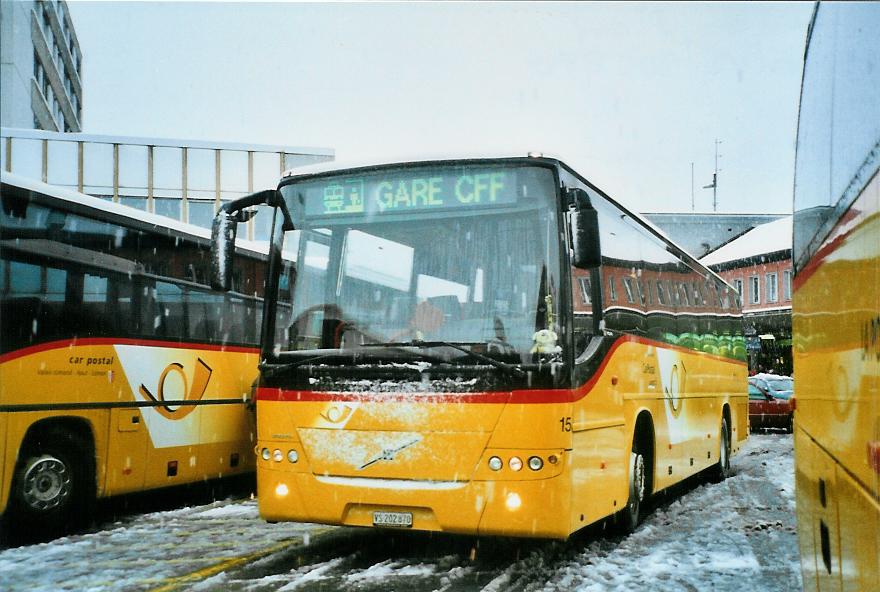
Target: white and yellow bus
<point>836,302</point>
<point>120,370</point>
<point>489,346</point>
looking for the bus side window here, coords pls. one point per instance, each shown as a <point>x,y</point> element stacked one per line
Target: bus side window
<point>93,319</point>
<point>170,311</point>
<point>26,316</point>
<point>205,318</point>
<point>582,295</point>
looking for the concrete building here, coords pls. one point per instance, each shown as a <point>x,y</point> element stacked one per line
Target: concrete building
<point>185,180</point>
<point>700,234</point>
<point>40,66</point>
<point>758,265</point>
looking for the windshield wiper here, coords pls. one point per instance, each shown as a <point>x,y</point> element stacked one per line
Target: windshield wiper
<point>511,368</point>
<point>270,370</point>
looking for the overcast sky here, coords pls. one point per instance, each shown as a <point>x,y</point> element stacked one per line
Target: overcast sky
<point>628,94</point>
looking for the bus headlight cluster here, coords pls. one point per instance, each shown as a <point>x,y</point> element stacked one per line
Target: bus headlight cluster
<point>535,463</point>
<point>278,456</point>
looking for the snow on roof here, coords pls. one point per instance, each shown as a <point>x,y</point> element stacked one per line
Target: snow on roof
<point>766,238</point>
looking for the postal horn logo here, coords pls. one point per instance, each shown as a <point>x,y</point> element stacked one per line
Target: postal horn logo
<point>178,408</point>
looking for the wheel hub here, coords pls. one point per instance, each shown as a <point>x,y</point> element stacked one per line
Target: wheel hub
<point>46,483</point>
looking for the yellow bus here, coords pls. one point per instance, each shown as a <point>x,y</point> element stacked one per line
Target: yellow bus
<point>120,370</point>
<point>488,346</point>
<point>836,303</point>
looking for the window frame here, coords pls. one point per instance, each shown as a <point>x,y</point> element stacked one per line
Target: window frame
<point>771,285</point>
<point>786,284</point>
<point>754,289</point>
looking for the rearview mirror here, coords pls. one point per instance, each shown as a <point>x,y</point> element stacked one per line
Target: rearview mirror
<point>586,251</point>
<point>223,231</point>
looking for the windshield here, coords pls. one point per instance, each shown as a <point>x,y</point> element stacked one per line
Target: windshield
<point>466,255</point>
<point>781,384</point>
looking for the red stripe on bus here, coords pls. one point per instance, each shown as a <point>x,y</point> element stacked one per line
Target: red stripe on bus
<point>89,341</point>
<point>542,396</point>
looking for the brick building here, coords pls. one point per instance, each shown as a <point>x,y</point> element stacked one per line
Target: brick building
<point>758,265</point>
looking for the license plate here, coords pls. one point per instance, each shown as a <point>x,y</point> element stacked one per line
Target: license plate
<point>393,519</point>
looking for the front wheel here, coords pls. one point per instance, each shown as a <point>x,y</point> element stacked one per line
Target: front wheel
<point>721,470</point>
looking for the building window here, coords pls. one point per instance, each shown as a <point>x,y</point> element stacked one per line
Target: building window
<point>772,287</point>
<point>612,289</point>
<point>754,290</point>
<point>661,294</point>
<point>786,284</point>
<point>698,296</point>
<point>738,286</point>
<point>627,287</point>
<point>585,290</point>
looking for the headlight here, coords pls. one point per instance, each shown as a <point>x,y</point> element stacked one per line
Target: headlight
<point>277,456</point>
<point>495,463</point>
<point>516,463</point>
<point>292,456</point>
<point>535,463</point>
<point>265,454</point>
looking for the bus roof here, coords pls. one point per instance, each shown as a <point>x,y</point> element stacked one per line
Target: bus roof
<point>537,157</point>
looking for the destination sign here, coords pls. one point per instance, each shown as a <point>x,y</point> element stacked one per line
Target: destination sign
<point>407,190</point>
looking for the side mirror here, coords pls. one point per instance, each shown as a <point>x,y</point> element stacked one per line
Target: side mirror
<point>223,231</point>
<point>586,250</point>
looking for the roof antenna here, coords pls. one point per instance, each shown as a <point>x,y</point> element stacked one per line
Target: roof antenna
<point>714,184</point>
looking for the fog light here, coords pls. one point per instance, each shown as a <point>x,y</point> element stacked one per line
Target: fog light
<point>277,456</point>
<point>535,463</point>
<point>292,456</point>
<point>495,463</point>
<point>265,454</point>
<point>515,463</point>
<point>281,490</point>
<point>513,501</point>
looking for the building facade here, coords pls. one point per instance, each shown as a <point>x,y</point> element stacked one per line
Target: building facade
<point>40,66</point>
<point>758,265</point>
<point>185,180</point>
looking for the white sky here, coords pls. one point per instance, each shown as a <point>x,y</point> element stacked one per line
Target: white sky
<point>627,94</point>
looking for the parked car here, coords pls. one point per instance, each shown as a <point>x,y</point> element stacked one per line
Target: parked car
<point>770,404</point>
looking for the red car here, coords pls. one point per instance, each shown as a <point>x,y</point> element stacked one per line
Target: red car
<point>770,402</point>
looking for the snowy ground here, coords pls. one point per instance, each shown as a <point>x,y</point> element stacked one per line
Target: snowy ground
<point>706,537</point>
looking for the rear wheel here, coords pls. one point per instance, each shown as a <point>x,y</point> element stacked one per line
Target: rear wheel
<point>52,487</point>
<point>721,470</point>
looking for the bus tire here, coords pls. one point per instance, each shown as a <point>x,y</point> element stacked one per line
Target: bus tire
<point>51,487</point>
<point>721,470</point>
<point>631,515</point>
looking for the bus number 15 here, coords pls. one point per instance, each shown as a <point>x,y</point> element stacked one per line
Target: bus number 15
<point>565,424</point>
